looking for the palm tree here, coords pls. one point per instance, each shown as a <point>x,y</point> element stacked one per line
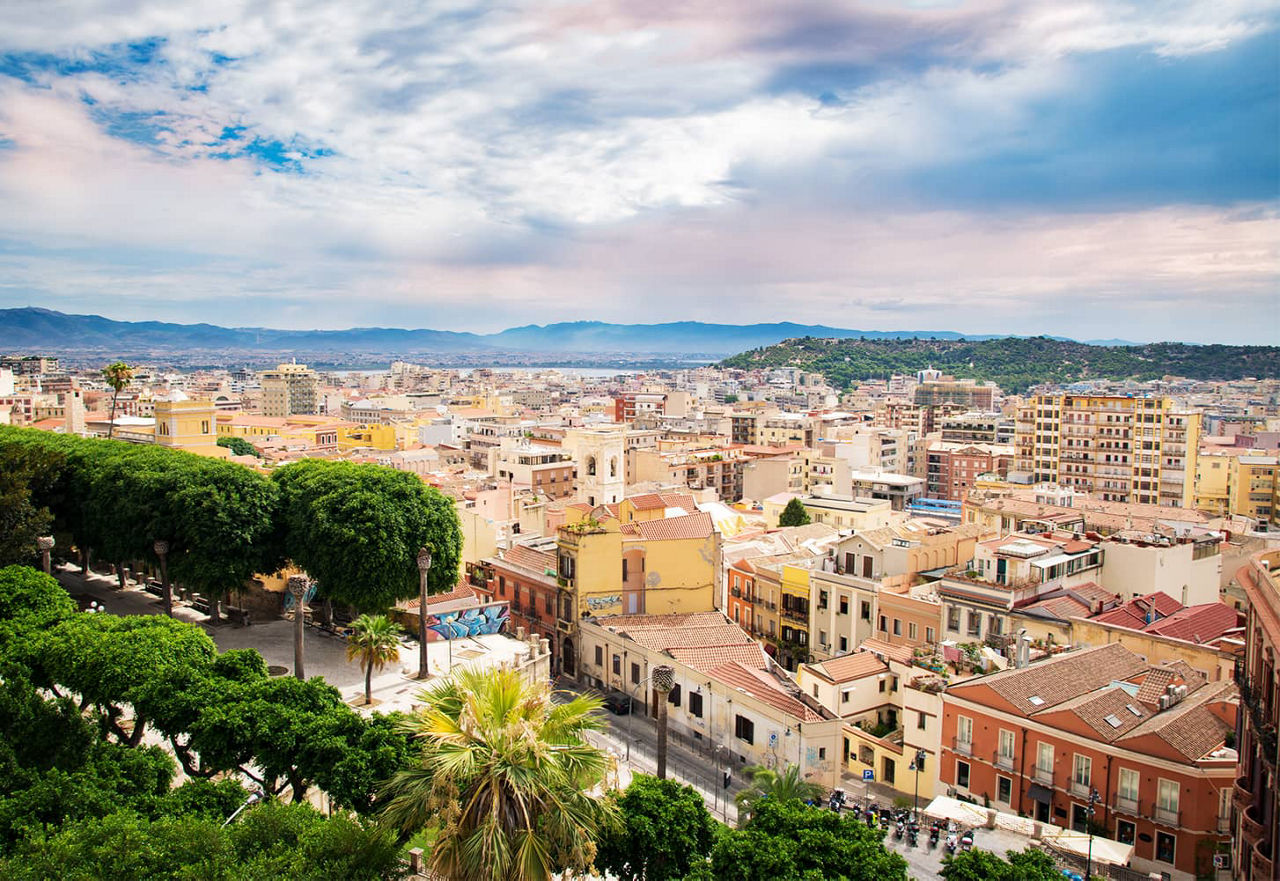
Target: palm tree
<point>506,774</point>
<point>375,642</point>
<point>118,375</point>
<point>768,783</point>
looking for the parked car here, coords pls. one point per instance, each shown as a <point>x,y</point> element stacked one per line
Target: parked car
<point>618,703</point>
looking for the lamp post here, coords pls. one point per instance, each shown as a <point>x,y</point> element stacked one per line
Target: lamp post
<point>45,544</point>
<point>424,566</point>
<point>161,547</point>
<point>254,797</point>
<point>917,766</point>
<point>1094,798</point>
<point>298,585</point>
<point>664,679</point>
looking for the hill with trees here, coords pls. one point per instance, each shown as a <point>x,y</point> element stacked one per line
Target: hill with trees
<point>1013,363</point>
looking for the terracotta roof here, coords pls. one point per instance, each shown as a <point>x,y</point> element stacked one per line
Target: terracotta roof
<point>1062,607</point>
<point>1154,684</point>
<point>697,525</point>
<point>849,667</point>
<point>527,558</point>
<point>750,654</point>
<point>647,502</point>
<point>903,654</point>
<point>1061,678</point>
<point>1189,727</point>
<point>1095,707</point>
<point>765,688</point>
<point>1198,624</point>
<point>1133,614</point>
<point>625,622</point>
<point>668,637</point>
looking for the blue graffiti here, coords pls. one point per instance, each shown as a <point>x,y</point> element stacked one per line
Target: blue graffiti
<point>306,598</point>
<point>470,622</point>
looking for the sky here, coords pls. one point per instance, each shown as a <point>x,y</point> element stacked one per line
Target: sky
<point>1089,169</point>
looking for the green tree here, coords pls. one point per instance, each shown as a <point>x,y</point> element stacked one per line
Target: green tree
<point>767,783</point>
<point>980,865</point>
<point>239,446</point>
<point>357,530</point>
<point>505,773</point>
<point>374,640</point>
<point>22,520</point>
<point>666,830</point>
<point>790,841</point>
<point>31,600</point>
<point>794,514</point>
<point>117,375</point>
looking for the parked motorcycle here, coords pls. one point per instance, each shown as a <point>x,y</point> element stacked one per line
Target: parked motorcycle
<point>934,832</point>
<point>899,831</point>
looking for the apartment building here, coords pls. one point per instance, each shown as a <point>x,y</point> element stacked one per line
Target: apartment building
<point>1256,793</point>
<point>289,389</point>
<point>952,469</point>
<point>524,576</point>
<point>1240,482</point>
<point>718,468</point>
<point>629,406</point>
<point>1124,449</point>
<point>1147,742</point>
<point>545,469</point>
<point>799,473</point>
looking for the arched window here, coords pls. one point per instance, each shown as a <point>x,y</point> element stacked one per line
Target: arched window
<point>613,467</point>
<point>591,466</point>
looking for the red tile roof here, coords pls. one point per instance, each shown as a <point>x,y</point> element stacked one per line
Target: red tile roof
<point>705,657</point>
<point>765,688</point>
<point>849,667</point>
<point>903,654</point>
<point>1133,614</point>
<point>697,525</point>
<point>1198,624</point>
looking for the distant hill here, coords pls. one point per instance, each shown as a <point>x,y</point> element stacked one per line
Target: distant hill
<point>1013,363</point>
<point>49,331</point>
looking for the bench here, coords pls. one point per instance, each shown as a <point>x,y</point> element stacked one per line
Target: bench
<point>154,587</point>
<point>201,605</point>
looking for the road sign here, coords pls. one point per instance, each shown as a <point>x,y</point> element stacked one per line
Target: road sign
<point>868,774</point>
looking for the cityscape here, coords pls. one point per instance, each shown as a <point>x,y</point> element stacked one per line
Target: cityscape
<point>645,442</point>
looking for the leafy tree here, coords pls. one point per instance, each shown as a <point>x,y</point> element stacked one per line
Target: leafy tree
<point>794,514</point>
<point>32,599</point>
<point>118,375</point>
<point>375,641</point>
<point>790,841</point>
<point>239,446</point>
<point>980,865</point>
<point>767,783</point>
<point>22,520</point>
<point>505,773</point>
<point>666,830</point>
<point>357,530</point>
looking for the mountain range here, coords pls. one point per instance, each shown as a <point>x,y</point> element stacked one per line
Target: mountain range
<point>45,330</point>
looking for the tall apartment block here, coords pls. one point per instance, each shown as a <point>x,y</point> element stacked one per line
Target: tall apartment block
<point>289,390</point>
<point>1120,449</point>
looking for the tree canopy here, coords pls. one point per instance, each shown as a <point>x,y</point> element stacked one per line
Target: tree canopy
<point>665,831</point>
<point>980,865</point>
<point>794,514</point>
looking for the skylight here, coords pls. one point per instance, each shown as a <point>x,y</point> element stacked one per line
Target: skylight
<point>1112,721</point>
<point>1035,700</point>
<point>1132,709</point>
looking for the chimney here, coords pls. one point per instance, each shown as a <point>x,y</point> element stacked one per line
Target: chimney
<point>1023,656</point>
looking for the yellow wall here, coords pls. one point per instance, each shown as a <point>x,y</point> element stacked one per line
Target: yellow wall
<point>680,574</point>
<point>190,426</point>
<point>378,437</point>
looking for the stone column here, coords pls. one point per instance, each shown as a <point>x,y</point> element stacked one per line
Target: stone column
<point>45,544</point>
<point>664,679</point>
<point>298,585</point>
<point>424,567</point>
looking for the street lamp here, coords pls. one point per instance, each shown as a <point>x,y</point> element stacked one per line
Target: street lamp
<point>45,544</point>
<point>1094,798</point>
<point>254,797</point>
<point>917,766</point>
<point>424,566</point>
<point>161,547</point>
<point>298,585</point>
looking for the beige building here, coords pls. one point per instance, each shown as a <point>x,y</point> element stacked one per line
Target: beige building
<point>289,389</point>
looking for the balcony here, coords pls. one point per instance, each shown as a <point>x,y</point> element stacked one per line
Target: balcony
<point>1251,828</point>
<point>1043,776</point>
<point>1260,864</point>
<point>1241,794</point>
<point>1003,762</point>
<point>1126,805</point>
<point>962,747</point>
<point>1165,816</point>
<point>1080,790</point>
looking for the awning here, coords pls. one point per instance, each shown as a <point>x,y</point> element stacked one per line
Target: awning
<point>1039,793</point>
<point>962,812</point>
<point>1105,850</point>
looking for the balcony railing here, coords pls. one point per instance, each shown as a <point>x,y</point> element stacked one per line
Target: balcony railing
<point>1003,762</point>
<point>1126,804</point>
<point>1079,789</point>
<point>1242,793</point>
<point>1167,816</point>
<point>1261,864</point>
<point>1042,775</point>
<point>1251,827</point>
<point>963,747</point>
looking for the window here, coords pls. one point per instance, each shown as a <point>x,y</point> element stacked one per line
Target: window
<point>1167,798</point>
<point>624,571</point>
<point>844,643</point>
<point>1082,771</point>
<point>502,586</point>
<point>1044,758</point>
<point>975,623</point>
<point>695,704</point>
<point>929,635</point>
<point>674,697</point>
<point>962,774</point>
<point>599,656</point>
<point>845,695</point>
<point>1125,832</point>
<point>921,720</point>
<point>617,665</point>
<point>964,730</point>
<point>822,638</point>
<point>866,755</point>
<point>1165,847</point>
<point>822,599</point>
<point>815,689</point>
<point>953,618</point>
<point>547,602</point>
<point>844,605</point>
<point>882,686</point>
<point>913,632</point>
<point>1006,745</point>
<point>864,611</point>
<point>744,729</point>
<point>1128,788</point>
<point>635,674</point>
<point>867,563</point>
<point>1004,789</point>
<point>897,626</point>
<point>883,624</point>
<point>822,753</point>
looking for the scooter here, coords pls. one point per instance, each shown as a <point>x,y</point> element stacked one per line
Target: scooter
<point>899,830</point>
<point>966,841</point>
<point>912,835</point>
<point>951,844</point>
<point>934,832</point>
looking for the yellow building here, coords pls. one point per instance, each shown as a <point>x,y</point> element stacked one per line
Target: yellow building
<point>1122,449</point>
<point>793,613</point>
<point>184,424</point>
<point>289,389</point>
<point>1247,485</point>
<point>376,437</point>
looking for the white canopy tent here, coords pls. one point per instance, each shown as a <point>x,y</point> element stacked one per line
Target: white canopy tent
<point>1105,850</point>
<point>962,812</point>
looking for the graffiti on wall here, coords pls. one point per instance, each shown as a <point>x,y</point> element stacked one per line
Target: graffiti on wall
<point>470,622</point>
<point>596,605</point>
